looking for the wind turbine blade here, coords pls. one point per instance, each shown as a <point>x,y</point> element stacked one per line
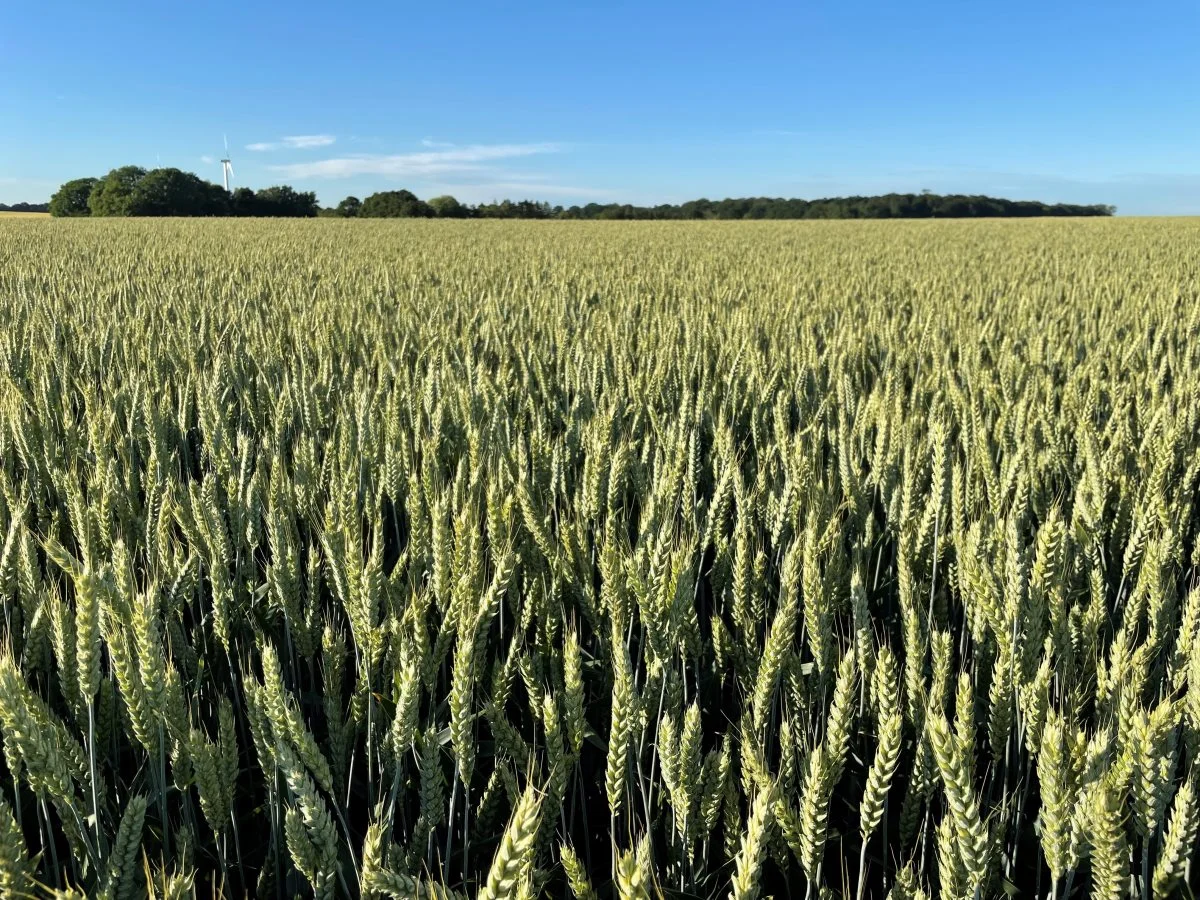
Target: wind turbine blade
<point>226,144</point>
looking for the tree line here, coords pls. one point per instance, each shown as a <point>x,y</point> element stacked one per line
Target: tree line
<point>404,204</point>
<point>25,207</point>
<point>134,191</point>
<point>924,205</point>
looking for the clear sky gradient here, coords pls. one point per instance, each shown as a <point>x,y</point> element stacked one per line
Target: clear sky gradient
<point>1091,102</point>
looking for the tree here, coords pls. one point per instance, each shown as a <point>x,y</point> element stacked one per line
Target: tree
<point>72,198</point>
<point>395,205</point>
<point>24,207</point>
<point>171,192</point>
<point>242,202</point>
<point>447,207</point>
<point>285,201</point>
<point>113,194</point>
<point>349,208</point>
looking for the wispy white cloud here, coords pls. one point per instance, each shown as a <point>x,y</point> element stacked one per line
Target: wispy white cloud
<point>536,190</point>
<point>436,145</point>
<point>498,187</point>
<point>294,142</point>
<point>308,141</point>
<point>207,160</point>
<point>407,165</point>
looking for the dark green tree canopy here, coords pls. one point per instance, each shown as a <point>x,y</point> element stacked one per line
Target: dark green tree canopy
<point>395,205</point>
<point>171,192</point>
<point>241,202</point>
<point>349,208</point>
<point>113,194</point>
<point>72,198</point>
<point>285,201</point>
<point>447,207</point>
<point>522,209</point>
<point>132,191</point>
<point>25,207</point>
<point>887,206</point>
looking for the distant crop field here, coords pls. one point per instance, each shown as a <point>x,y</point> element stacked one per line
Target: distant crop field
<point>23,215</point>
<point>605,560</point>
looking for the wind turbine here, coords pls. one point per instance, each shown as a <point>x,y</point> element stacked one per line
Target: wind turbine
<point>227,165</point>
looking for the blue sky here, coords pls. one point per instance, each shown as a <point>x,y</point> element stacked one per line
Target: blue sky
<point>648,102</point>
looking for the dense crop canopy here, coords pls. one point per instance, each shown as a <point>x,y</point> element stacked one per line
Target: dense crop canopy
<point>514,560</point>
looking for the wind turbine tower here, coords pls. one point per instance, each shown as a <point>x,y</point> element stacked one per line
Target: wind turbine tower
<point>227,166</point>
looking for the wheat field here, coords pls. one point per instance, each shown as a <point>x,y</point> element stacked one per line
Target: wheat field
<point>604,560</point>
